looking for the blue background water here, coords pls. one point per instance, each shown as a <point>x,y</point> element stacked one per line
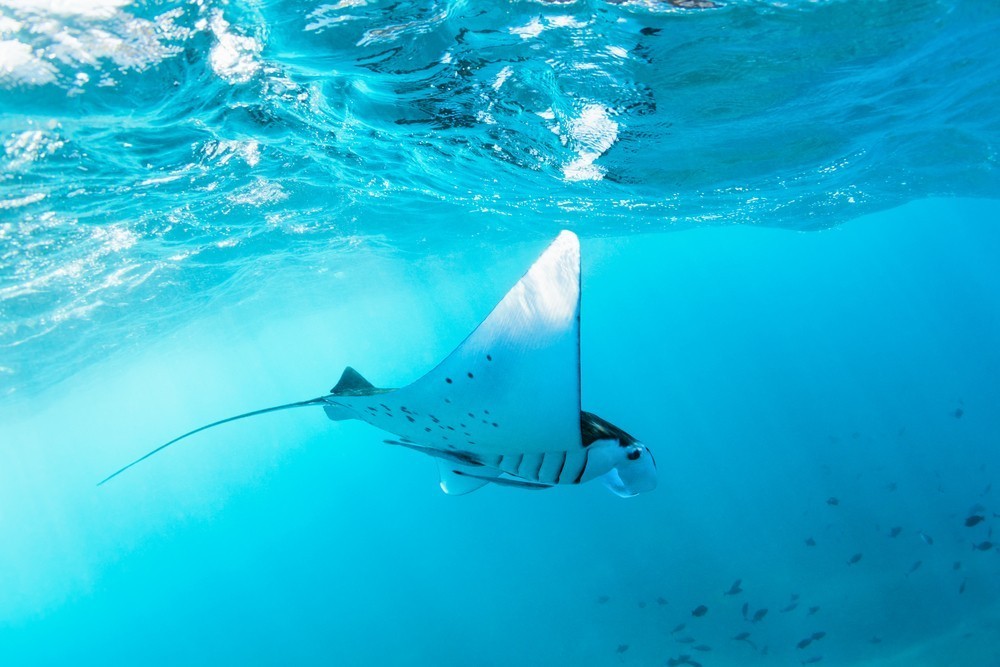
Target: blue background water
<point>208,208</point>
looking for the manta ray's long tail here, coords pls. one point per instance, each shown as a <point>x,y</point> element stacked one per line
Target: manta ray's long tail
<point>287,406</point>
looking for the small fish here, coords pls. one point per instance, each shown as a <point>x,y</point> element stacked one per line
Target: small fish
<point>746,610</point>
<point>804,643</point>
<point>742,636</point>
<point>928,540</point>
<point>810,542</point>
<point>816,636</point>
<point>957,565</point>
<point>986,545</point>
<point>890,487</point>
<point>622,648</point>
<point>642,604</point>
<point>682,660</point>
<point>735,588</point>
<point>700,610</point>
<point>661,600</point>
<point>603,599</point>
<point>895,531</point>
<point>702,647</point>
<point>961,589</point>
<point>833,501</point>
<point>680,626</point>
<point>790,607</point>
<point>989,487</point>
<point>794,597</point>
<point>915,567</point>
<point>686,640</point>
<point>759,615</point>
<point>875,640</point>
<point>958,413</point>
<point>813,660</point>
<point>855,558</point>
<point>974,520</point>
<point>812,610</point>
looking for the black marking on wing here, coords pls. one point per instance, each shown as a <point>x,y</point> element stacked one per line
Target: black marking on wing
<point>468,458</point>
<point>593,428</point>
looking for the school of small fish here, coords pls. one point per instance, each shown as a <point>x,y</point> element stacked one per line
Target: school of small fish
<point>976,522</point>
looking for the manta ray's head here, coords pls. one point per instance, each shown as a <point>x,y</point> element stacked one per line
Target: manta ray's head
<point>629,465</point>
<point>634,471</point>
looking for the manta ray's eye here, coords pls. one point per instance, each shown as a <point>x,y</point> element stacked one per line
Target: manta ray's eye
<point>634,454</point>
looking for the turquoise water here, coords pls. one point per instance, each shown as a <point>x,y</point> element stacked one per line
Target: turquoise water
<point>788,216</point>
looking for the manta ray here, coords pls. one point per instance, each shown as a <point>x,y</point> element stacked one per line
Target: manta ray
<point>504,407</point>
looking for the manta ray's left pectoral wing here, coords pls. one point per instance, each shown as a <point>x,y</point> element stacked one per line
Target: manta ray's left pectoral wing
<point>502,481</point>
